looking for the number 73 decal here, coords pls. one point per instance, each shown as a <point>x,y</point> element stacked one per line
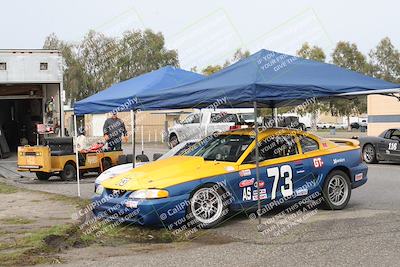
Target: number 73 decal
<point>284,172</point>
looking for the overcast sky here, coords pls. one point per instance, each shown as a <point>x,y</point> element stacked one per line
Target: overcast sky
<point>206,31</point>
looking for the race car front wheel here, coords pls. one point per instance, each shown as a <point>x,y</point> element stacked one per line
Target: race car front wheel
<point>369,154</point>
<point>208,206</point>
<point>337,190</point>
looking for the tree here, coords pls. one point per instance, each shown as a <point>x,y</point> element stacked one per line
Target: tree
<point>211,69</point>
<point>100,61</point>
<point>385,61</point>
<point>74,72</point>
<point>141,52</point>
<point>314,53</point>
<point>97,55</point>
<point>238,55</point>
<point>348,56</point>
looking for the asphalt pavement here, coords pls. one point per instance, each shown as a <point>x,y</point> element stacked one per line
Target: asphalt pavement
<point>366,233</point>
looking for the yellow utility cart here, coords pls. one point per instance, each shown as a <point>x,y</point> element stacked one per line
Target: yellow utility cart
<point>57,157</point>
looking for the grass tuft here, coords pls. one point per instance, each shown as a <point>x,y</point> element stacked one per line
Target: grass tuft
<point>7,189</point>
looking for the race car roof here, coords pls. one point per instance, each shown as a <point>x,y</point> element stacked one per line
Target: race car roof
<point>267,132</point>
<point>272,79</point>
<point>122,96</point>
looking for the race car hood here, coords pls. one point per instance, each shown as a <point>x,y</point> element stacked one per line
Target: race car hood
<point>168,172</point>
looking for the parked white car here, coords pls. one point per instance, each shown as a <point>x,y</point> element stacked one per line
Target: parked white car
<point>200,124</point>
<point>119,169</point>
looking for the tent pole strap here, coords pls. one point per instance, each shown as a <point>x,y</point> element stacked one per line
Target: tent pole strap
<point>133,130</point>
<point>77,157</point>
<point>257,164</point>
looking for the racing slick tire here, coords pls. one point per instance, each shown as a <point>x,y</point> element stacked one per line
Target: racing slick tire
<point>336,191</point>
<point>68,173</point>
<point>208,206</point>
<point>173,140</point>
<point>43,176</point>
<point>369,154</point>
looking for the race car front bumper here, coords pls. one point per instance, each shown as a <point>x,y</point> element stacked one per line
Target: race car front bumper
<point>157,212</point>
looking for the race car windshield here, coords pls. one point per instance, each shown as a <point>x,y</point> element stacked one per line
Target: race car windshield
<point>223,147</point>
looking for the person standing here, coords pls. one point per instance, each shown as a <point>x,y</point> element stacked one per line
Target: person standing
<point>113,130</point>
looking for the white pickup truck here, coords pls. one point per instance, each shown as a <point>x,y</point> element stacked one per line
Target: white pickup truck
<point>198,125</point>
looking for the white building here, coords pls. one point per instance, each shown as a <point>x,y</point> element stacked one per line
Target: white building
<point>31,86</point>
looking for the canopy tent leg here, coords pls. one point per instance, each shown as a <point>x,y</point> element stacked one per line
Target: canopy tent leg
<point>257,164</point>
<point>77,157</point>
<point>142,141</point>
<point>133,130</point>
<point>275,115</point>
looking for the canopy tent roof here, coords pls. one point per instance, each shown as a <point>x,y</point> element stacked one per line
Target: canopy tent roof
<point>270,78</point>
<point>122,96</point>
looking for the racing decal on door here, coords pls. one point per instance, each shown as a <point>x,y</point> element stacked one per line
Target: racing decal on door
<point>263,194</point>
<point>285,172</point>
<point>318,162</point>
<point>260,184</point>
<point>250,194</point>
<point>245,183</point>
<point>247,193</point>
<point>392,146</point>
<point>245,173</point>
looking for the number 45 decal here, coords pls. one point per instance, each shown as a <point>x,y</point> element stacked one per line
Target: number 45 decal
<point>285,172</point>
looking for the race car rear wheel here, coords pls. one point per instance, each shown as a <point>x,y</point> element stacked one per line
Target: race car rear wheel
<point>369,154</point>
<point>69,172</point>
<point>208,206</point>
<point>337,190</point>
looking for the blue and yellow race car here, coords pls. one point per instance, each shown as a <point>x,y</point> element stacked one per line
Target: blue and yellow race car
<point>218,176</point>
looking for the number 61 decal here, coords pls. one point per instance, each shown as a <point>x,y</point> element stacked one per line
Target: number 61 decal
<point>284,172</point>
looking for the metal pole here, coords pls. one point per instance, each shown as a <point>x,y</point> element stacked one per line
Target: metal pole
<point>77,157</point>
<point>275,111</point>
<point>133,130</point>
<point>61,102</point>
<point>257,164</point>
<point>142,141</point>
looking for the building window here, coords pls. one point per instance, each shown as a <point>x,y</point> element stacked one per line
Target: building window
<point>3,66</point>
<point>44,66</point>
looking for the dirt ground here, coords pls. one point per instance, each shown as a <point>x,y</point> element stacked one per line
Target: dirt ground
<point>42,228</point>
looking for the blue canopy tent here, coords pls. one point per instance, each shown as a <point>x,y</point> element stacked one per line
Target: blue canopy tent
<point>271,79</point>
<point>123,96</point>
<point>267,79</point>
